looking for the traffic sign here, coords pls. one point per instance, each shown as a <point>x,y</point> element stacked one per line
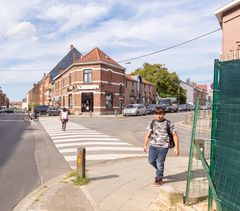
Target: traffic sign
<point>211,85</point>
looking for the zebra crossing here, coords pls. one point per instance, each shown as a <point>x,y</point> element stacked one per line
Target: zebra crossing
<point>99,146</point>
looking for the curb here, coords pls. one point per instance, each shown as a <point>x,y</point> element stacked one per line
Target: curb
<point>29,199</point>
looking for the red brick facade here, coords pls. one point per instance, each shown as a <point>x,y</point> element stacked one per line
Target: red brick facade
<point>34,95</point>
<point>229,19</point>
<point>4,101</point>
<point>94,83</point>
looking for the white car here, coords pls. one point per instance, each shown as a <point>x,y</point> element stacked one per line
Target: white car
<point>134,110</point>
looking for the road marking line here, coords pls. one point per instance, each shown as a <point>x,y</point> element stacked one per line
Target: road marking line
<point>92,143</point>
<point>79,136</point>
<point>104,156</point>
<point>86,139</point>
<point>92,149</point>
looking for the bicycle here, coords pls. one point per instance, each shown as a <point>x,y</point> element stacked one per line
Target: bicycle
<point>29,117</point>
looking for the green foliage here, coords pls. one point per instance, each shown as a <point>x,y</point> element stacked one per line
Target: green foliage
<point>80,181</point>
<point>167,84</point>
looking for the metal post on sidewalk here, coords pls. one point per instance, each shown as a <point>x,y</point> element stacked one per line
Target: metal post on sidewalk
<point>81,162</point>
<point>115,112</point>
<point>90,113</point>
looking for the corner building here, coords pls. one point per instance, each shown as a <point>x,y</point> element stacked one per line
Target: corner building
<point>94,83</point>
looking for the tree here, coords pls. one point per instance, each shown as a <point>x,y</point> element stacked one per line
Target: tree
<point>167,84</point>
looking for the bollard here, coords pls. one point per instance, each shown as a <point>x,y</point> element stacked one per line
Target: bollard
<point>90,113</point>
<point>81,160</point>
<point>115,112</point>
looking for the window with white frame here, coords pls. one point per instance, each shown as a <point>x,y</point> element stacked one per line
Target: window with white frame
<point>87,75</point>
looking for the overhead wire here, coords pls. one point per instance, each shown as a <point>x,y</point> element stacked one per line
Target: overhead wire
<point>171,47</point>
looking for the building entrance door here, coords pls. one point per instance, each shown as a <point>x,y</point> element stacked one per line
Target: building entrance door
<point>87,102</point>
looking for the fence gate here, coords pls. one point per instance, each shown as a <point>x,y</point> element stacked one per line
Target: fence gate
<point>214,159</point>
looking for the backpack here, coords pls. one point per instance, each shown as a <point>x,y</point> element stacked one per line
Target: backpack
<point>171,143</point>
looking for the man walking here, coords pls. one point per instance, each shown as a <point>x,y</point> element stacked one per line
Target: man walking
<point>158,135</point>
<point>64,118</point>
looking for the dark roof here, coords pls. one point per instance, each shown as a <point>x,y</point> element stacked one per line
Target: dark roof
<point>65,62</point>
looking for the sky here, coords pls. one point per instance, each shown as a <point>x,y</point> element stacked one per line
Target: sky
<point>36,34</point>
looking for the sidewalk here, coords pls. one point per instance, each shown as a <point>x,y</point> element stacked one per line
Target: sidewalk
<point>123,184</point>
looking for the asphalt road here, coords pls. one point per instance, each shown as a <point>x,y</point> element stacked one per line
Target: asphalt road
<point>132,129</point>
<point>27,158</point>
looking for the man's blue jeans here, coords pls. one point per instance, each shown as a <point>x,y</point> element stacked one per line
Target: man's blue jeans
<point>156,157</point>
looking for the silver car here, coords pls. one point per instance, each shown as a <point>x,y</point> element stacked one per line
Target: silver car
<point>134,110</point>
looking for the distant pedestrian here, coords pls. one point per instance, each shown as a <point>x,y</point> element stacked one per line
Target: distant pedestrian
<point>64,118</point>
<point>158,135</point>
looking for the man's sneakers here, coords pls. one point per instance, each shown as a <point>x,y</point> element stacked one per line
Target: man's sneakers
<point>158,181</point>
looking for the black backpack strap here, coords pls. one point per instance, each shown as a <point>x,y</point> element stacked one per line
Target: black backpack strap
<point>152,124</point>
<point>168,126</point>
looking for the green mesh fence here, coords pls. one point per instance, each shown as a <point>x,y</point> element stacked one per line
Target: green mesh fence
<point>198,185</point>
<point>216,143</point>
<point>226,172</point>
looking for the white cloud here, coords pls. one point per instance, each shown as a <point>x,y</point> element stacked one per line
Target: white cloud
<point>22,31</point>
<point>36,34</point>
<point>70,16</point>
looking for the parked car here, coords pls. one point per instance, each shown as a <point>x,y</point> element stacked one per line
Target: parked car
<point>69,112</point>
<point>41,110</point>
<point>171,108</point>
<point>151,108</point>
<point>9,110</point>
<point>53,111</point>
<point>134,110</point>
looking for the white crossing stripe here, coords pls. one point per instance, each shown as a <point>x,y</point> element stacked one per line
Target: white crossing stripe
<point>90,149</point>
<point>84,139</point>
<point>103,157</point>
<point>96,143</point>
<point>78,136</point>
<point>92,143</point>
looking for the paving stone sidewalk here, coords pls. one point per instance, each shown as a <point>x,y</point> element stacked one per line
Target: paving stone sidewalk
<point>123,184</point>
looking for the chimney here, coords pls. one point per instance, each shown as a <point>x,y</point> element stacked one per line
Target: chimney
<point>75,58</point>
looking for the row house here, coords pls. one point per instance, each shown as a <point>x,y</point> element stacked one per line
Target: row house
<point>229,19</point>
<point>92,83</point>
<point>195,92</point>
<point>200,93</point>
<point>33,95</point>
<point>138,90</point>
<point>95,83</point>
<point>46,83</point>
<point>4,101</point>
<point>41,93</point>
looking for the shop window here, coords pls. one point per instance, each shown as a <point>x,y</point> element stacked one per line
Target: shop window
<point>87,75</point>
<point>109,100</point>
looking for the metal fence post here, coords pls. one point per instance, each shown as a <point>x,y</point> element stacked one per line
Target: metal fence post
<point>81,160</point>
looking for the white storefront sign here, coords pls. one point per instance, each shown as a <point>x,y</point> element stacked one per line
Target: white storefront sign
<point>87,87</point>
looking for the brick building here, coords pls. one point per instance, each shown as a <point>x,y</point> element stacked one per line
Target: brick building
<point>4,101</point>
<point>92,83</point>
<point>34,95</point>
<point>138,90</point>
<point>229,20</point>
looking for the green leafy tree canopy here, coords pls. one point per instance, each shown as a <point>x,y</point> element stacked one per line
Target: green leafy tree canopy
<point>167,84</point>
